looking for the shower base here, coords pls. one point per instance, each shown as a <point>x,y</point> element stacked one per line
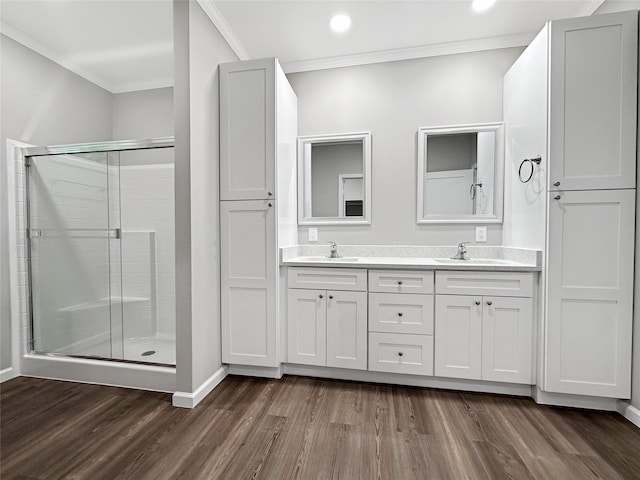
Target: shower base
<point>138,349</point>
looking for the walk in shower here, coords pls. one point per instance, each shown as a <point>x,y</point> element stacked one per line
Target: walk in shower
<point>101,250</point>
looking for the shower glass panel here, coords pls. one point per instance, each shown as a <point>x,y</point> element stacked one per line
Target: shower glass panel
<point>74,231</point>
<point>101,232</point>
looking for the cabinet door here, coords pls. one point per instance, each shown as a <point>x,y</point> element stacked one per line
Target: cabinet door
<point>458,336</point>
<point>347,329</point>
<point>507,331</point>
<point>247,130</point>
<point>307,326</point>
<point>593,68</point>
<point>248,283</point>
<point>589,293</point>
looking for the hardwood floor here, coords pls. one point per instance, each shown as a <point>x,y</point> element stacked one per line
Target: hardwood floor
<point>303,428</point>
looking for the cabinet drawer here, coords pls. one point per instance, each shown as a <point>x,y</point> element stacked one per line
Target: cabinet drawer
<point>397,353</point>
<point>504,284</point>
<point>328,278</point>
<point>401,313</point>
<point>397,281</point>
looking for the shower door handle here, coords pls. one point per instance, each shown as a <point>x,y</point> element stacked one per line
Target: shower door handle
<point>115,233</point>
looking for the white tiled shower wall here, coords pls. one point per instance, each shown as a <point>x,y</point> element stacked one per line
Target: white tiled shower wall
<point>147,250</point>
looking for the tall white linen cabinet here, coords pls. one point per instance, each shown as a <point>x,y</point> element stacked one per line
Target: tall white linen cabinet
<point>571,98</point>
<point>258,130</point>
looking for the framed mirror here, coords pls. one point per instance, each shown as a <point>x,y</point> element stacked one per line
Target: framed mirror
<point>460,174</point>
<point>334,179</point>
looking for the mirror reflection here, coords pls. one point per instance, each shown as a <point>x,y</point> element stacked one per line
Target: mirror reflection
<point>334,178</point>
<point>457,174</point>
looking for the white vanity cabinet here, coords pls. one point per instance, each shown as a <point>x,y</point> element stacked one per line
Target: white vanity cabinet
<point>327,317</point>
<point>258,129</point>
<point>484,326</point>
<point>401,321</point>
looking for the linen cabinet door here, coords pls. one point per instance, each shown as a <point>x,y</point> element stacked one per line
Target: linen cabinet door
<point>248,130</point>
<point>458,336</point>
<point>593,90</point>
<point>589,293</point>
<point>307,326</point>
<point>347,329</point>
<point>248,286</point>
<point>507,331</point>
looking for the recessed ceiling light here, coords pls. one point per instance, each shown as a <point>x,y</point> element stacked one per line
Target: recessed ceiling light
<point>340,23</point>
<point>482,5</point>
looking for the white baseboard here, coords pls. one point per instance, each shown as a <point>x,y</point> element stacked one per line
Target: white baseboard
<point>7,374</point>
<point>575,401</point>
<point>190,400</point>
<point>262,372</point>
<point>408,380</point>
<point>629,412</point>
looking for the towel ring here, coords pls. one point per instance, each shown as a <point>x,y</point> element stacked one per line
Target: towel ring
<point>531,161</point>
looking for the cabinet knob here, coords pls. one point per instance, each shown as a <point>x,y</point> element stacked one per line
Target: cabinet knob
<point>269,193</point>
<point>558,197</point>
<point>320,296</point>
<point>489,302</point>
<point>477,302</point>
<point>399,282</point>
<point>270,204</point>
<point>330,297</point>
<point>400,314</point>
<point>400,354</point>
<point>556,184</point>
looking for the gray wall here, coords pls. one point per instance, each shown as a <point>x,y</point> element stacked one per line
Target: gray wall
<point>327,162</point>
<point>392,100</point>
<point>42,104</point>
<point>143,114</point>
<point>198,49</point>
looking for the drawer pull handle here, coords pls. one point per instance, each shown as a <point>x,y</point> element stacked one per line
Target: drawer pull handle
<point>400,314</point>
<point>477,302</point>
<point>489,302</point>
<point>556,184</point>
<point>269,193</point>
<point>557,197</point>
<point>270,204</point>
<point>400,354</point>
<point>399,282</point>
<point>330,297</point>
<point>320,296</point>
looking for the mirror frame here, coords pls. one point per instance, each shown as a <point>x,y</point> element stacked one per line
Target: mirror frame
<point>498,180</point>
<point>366,172</point>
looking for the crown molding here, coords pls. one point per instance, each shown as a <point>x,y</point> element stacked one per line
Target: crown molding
<point>62,60</point>
<point>466,46</point>
<point>590,10</point>
<point>223,27</point>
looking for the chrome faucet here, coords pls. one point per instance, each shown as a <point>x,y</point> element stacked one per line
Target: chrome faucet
<point>462,252</point>
<point>333,252</point>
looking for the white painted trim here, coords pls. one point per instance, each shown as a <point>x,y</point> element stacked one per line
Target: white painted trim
<point>7,374</point>
<point>591,9</point>
<point>262,372</point>
<point>14,155</point>
<point>465,46</point>
<point>223,27</point>
<point>190,400</point>
<point>65,62</point>
<point>629,412</point>
<point>408,380</point>
<point>574,401</point>
<point>100,372</point>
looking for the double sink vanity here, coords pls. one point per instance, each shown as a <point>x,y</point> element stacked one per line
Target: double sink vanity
<point>413,311</point>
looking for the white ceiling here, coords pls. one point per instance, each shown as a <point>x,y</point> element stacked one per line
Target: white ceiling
<point>125,45</point>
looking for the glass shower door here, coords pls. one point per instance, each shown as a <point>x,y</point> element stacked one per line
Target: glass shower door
<point>75,254</point>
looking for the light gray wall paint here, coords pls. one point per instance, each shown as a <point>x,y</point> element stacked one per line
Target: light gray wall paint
<point>392,100</point>
<point>42,104</point>
<point>327,162</point>
<point>198,49</point>
<point>610,6</point>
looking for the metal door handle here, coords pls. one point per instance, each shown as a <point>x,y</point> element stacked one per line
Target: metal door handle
<point>489,302</point>
<point>477,302</point>
<point>556,184</point>
<point>558,197</point>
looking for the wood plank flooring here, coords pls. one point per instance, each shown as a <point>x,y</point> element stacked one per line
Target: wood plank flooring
<point>303,428</point>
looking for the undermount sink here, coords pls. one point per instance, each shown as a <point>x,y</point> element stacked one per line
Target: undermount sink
<point>327,259</point>
<point>472,261</point>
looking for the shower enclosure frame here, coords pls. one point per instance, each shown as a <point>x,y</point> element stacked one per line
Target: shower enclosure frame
<point>95,147</point>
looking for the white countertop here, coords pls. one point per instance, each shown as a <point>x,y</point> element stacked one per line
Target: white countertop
<point>482,258</point>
